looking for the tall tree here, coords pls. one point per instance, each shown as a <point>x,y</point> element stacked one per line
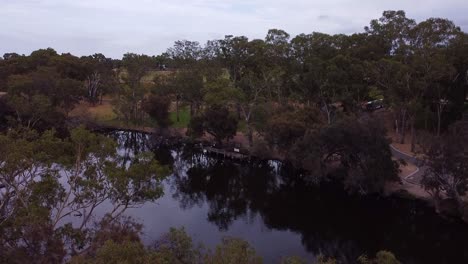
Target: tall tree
<point>447,168</point>
<point>132,95</point>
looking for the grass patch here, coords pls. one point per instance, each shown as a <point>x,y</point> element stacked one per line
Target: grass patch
<point>99,113</point>
<point>184,117</point>
<point>102,113</point>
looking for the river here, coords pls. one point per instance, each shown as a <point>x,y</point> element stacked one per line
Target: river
<point>281,213</point>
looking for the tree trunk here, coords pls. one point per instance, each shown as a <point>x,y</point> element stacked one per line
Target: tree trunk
<point>439,118</point>
<point>403,127</point>
<point>460,202</point>
<point>197,108</point>
<point>328,111</point>
<point>413,136</point>
<point>425,121</point>
<point>134,104</point>
<point>249,134</point>
<point>397,126</point>
<point>177,111</point>
<point>436,198</point>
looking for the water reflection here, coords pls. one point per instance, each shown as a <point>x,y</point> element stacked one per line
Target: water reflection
<point>329,221</point>
<point>227,189</point>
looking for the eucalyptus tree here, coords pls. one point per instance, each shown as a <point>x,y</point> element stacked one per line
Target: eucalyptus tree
<point>458,54</point>
<point>447,166</point>
<point>157,107</point>
<point>100,76</point>
<point>394,73</point>
<point>277,60</point>
<point>320,77</point>
<point>359,147</point>
<point>187,86</point>
<point>217,121</point>
<point>45,181</point>
<point>393,30</point>
<point>42,98</point>
<point>431,42</point>
<point>249,74</point>
<point>131,95</point>
<point>185,53</point>
<point>397,81</point>
<point>193,63</point>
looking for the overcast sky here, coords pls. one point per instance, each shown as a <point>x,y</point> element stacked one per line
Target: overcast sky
<point>114,27</point>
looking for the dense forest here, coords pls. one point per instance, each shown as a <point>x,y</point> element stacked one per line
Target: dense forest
<point>324,103</point>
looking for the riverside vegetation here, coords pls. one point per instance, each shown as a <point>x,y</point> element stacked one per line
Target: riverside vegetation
<point>299,98</point>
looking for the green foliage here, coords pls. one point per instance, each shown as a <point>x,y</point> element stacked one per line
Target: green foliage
<point>293,260</point>
<point>216,121</point>
<point>44,179</point>
<point>126,253</point>
<point>361,148</point>
<point>41,98</point>
<point>157,108</point>
<point>117,253</point>
<point>184,118</point>
<point>324,260</point>
<point>288,125</point>
<point>174,247</point>
<point>232,250</point>
<point>113,245</point>
<point>382,257</point>
<point>196,127</point>
<point>220,123</point>
<point>220,92</point>
<point>129,102</point>
<point>447,160</point>
<point>177,247</point>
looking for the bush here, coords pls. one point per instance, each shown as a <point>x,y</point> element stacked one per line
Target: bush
<point>157,107</point>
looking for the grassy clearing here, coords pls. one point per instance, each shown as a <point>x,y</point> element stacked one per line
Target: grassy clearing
<point>102,112</point>
<point>99,113</point>
<point>184,117</point>
<point>104,115</point>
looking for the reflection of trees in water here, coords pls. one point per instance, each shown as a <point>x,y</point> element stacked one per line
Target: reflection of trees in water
<point>130,144</point>
<point>133,142</point>
<point>222,185</point>
<point>329,221</point>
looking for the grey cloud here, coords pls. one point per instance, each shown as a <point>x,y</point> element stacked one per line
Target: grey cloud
<point>323,17</point>
<point>114,27</point>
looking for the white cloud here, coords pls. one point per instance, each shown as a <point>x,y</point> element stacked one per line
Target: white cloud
<point>114,27</point>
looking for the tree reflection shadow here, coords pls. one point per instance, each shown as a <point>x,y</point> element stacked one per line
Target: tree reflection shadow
<point>329,221</point>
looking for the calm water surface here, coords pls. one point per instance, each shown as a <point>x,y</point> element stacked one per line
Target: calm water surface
<point>281,214</point>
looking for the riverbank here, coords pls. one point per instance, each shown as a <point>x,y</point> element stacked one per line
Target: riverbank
<point>408,186</point>
<point>102,117</point>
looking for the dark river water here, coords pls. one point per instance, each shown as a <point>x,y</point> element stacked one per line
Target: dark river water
<point>281,214</point>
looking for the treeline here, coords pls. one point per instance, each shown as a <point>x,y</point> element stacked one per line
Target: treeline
<point>420,69</point>
<point>303,97</point>
<point>300,97</point>
<point>42,88</point>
